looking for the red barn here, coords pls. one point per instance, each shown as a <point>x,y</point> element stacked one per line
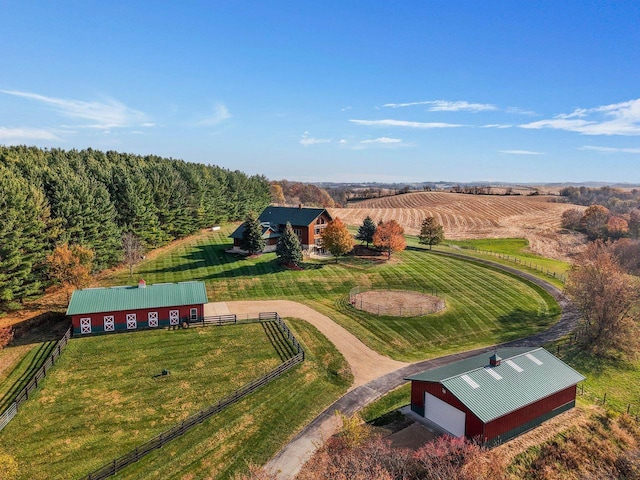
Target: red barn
<point>307,223</point>
<point>493,398</point>
<point>94,310</point>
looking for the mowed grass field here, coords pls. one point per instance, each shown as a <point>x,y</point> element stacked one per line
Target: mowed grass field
<point>69,420</point>
<point>104,397</point>
<point>484,306</point>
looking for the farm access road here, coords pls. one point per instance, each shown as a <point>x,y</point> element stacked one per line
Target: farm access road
<point>374,374</point>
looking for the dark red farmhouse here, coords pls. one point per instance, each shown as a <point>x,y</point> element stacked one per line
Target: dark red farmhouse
<point>95,310</point>
<point>307,223</point>
<point>493,399</point>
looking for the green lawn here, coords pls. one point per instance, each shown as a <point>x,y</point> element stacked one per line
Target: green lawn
<point>618,378</point>
<point>484,306</point>
<point>512,252</point>
<point>101,399</point>
<point>253,430</point>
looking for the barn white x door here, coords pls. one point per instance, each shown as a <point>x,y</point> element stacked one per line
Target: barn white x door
<point>174,317</point>
<point>85,325</point>
<point>153,319</point>
<point>109,323</point>
<point>131,321</point>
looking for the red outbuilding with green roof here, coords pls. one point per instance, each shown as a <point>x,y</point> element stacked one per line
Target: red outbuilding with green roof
<point>495,397</point>
<point>96,310</point>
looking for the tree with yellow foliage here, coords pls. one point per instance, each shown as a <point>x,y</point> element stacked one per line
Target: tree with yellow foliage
<point>336,238</point>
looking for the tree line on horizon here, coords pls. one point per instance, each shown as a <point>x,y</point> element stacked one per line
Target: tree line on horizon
<point>51,197</point>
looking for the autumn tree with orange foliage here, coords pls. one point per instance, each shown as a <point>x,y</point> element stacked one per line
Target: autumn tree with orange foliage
<point>609,301</point>
<point>70,266</point>
<point>617,227</point>
<point>389,237</point>
<point>336,238</point>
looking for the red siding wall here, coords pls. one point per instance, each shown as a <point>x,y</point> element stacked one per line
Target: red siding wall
<point>528,413</point>
<point>473,425</point>
<point>120,318</point>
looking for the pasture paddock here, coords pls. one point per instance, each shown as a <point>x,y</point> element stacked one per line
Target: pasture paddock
<point>104,397</point>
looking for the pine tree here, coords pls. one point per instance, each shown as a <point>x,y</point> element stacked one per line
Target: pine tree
<point>23,239</point>
<point>431,233</point>
<point>288,249</point>
<point>336,238</point>
<point>366,231</point>
<point>252,240</point>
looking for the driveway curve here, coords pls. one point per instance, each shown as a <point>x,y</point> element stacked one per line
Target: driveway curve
<point>287,463</point>
<point>366,364</point>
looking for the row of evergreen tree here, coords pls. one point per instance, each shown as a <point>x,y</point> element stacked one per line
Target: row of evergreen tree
<point>91,198</point>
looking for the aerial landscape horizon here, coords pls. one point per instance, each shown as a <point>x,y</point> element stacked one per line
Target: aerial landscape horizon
<point>536,93</point>
<point>298,240</point>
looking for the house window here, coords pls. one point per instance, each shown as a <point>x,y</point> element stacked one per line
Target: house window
<point>85,325</point>
<point>152,317</point>
<point>109,323</point>
<point>193,314</point>
<point>298,232</point>
<point>174,317</point>
<point>132,322</point>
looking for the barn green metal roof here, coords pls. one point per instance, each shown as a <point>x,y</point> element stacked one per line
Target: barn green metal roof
<point>524,376</point>
<point>114,299</point>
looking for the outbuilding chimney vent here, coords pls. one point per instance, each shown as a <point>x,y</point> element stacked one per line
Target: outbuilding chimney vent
<point>494,360</point>
<point>142,283</point>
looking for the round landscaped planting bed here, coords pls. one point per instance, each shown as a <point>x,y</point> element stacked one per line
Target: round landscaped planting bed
<point>397,303</point>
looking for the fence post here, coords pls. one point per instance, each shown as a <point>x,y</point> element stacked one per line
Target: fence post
<point>604,399</point>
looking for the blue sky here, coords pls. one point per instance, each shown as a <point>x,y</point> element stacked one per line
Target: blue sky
<point>333,90</point>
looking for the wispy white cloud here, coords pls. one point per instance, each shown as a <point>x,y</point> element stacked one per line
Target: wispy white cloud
<point>383,140</point>
<point>346,108</point>
<point>520,152</point>
<point>306,140</point>
<point>615,119</point>
<point>27,134</point>
<point>447,106</point>
<point>220,114</point>
<point>520,111</point>
<point>105,115</point>
<point>405,123</point>
<point>496,125</point>
<point>610,149</point>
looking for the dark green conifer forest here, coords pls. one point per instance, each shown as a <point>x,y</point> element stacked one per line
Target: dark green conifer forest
<point>91,198</point>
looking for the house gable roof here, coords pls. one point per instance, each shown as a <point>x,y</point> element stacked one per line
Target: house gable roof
<point>294,215</point>
<point>524,376</point>
<point>275,216</point>
<point>97,300</point>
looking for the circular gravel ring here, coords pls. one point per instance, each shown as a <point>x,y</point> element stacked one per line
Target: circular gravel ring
<point>397,303</point>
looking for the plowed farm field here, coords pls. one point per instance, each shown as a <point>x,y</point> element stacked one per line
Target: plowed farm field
<point>463,216</point>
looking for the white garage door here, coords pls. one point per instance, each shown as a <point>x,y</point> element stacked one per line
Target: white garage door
<point>444,415</point>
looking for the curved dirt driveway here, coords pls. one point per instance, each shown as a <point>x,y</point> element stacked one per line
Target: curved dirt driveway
<point>365,363</point>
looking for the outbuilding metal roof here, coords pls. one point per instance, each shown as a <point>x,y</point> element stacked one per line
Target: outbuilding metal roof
<point>114,299</point>
<point>524,376</point>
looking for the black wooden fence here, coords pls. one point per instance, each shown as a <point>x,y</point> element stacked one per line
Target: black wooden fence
<point>23,395</point>
<point>520,261</point>
<point>165,437</point>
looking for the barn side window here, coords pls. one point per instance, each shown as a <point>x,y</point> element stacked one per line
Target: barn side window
<point>193,315</point>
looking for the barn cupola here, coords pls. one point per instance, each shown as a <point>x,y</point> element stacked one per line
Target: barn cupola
<point>494,360</point>
<point>142,283</point>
